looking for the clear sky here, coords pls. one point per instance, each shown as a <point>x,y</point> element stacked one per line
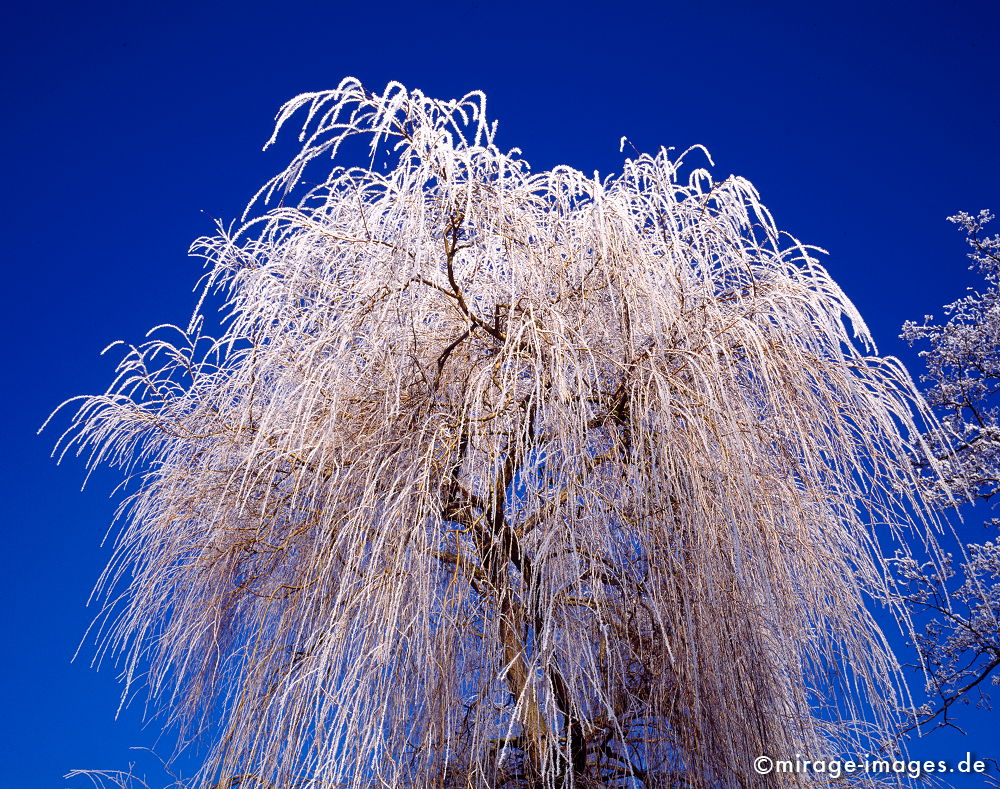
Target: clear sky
<point>128,126</point>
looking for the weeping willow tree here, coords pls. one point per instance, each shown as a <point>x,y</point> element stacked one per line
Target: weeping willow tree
<point>504,479</point>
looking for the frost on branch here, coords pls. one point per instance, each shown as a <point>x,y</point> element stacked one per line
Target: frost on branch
<point>506,479</point>
<point>963,373</point>
<point>960,647</point>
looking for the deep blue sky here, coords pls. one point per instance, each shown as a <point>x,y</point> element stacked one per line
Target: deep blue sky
<point>126,126</point>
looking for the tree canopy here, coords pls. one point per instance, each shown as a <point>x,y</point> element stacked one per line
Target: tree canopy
<point>502,478</point>
<point>959,648</point>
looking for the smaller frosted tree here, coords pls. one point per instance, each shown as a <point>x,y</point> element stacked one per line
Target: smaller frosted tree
<point>500,478</point>
<point>960,647</point>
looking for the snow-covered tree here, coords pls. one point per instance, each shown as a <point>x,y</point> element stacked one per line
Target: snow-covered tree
<point>960,648</point>
<point>501,478</point>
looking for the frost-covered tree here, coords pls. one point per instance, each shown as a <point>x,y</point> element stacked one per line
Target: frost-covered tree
<point>501,478</point>
<point>960,648</point>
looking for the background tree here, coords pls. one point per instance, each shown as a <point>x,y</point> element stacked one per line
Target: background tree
<point>505,479</point>
<point>960,646</point>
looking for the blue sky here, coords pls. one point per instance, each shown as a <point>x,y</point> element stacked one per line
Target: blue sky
<point>128,126</point>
